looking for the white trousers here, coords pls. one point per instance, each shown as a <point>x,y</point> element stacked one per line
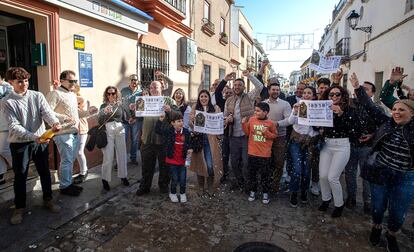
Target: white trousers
<point>333,159</point>
<point>81,154</point>
<point>5,154</point>
<point>116,144</point>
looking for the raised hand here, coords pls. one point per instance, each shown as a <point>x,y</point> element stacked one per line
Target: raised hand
<point>246,73</point>
<point>354,80</point>
<point>336,77</point>
<point>397,75</point>
<point>230,76</point>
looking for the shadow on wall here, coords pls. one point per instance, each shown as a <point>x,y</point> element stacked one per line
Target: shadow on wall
<point>123,81</point>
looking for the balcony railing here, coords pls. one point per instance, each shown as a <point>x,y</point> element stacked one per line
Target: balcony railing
<point>207,27</point>
<point>180,5</point>
<point>250,63</point>
<point>342,47</point>
<point>224,39</point>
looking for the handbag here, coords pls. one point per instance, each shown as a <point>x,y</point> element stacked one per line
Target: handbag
<point>97,135</point>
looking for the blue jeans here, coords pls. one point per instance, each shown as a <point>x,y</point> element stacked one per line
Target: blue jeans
<point>359,155</point>
<point>67,145</point>
<point>300,175</point>
<point>396,195</point>
<point>133,130</point>
<point>178,174</point>
<point>208,156</point>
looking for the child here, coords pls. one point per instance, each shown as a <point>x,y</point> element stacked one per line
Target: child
<point>177,145</point>
<point>261,133</point>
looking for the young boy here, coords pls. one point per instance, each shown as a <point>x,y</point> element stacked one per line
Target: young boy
<point>261,133</point>
<point>177,146</point>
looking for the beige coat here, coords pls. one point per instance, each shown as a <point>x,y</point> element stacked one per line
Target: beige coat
<point>198,162</point>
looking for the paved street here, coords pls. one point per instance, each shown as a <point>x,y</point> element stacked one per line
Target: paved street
<point>126,222</point>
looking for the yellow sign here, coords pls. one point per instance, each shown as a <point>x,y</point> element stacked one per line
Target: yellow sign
<point>79,42</point>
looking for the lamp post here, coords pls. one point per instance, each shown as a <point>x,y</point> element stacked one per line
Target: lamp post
<point>353,19</point>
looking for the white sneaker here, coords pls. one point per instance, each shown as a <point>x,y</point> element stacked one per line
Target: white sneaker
<point>183,198</point>
<point>266,199</point>
<point>315,189</point>
<point>173,198</point>
<point>251,197</point>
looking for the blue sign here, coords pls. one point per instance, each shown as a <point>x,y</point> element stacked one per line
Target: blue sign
<point>85,69</point>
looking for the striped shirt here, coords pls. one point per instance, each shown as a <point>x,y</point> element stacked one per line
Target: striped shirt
<point>395,151</point>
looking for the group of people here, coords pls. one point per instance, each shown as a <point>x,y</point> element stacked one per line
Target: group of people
<point>262,137</point>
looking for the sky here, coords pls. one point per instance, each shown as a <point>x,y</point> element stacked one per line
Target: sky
<point>281,17</point>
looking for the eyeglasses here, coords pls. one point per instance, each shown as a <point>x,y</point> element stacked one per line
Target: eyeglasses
<point>337,94</point>
<point>110,93</point>
<point>71,81</point>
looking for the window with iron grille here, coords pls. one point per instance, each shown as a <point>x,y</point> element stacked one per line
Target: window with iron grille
<point>207,77</point>
<point>151,60</point>
<point>178,4</point>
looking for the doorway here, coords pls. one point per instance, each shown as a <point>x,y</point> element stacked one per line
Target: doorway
<point>17,37</point>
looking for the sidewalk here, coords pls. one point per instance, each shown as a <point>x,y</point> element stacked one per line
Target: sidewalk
<point>38,222</point>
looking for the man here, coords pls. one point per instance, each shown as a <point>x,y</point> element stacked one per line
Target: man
<point>395,82</point>
<point>293,99</point>
<point>264,94</point>
<point>5,155</point>
<point>222,92</point>
<point>322,84</point>
<point>238,106</point>
<point>134,125</point>
<point>360,150</point>
<point>65,105</point>
<point>152,149</point>
<point>25,111</point>
<point>212,91</point>
<point>279,113</point>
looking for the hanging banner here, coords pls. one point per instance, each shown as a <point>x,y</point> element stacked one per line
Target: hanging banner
<point>146,106</point>
<point>209,123</point>
<point>324,64</point>
<point>315,113</point>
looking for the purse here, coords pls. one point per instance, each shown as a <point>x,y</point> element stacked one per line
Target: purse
<point>97,135</point>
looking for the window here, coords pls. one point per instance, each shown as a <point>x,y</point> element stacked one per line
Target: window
<point>222,73</point>
<point>178,4</point>
<point>409,5</point>
<point>207,77</point>
<point>242,48</point>
<point>222,25</point>
<point>206,10</point>
<point>151,60</point>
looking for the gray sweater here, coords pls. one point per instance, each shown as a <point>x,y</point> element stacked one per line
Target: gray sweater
<point>25,114</point>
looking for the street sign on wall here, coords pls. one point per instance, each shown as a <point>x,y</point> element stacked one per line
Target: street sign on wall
<point>85,69</point>
<point>78,42</point>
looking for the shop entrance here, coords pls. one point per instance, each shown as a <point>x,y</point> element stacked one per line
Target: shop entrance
<point>17,37</point>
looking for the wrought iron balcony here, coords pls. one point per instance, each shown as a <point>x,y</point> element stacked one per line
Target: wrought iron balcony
<point>224,39</point>
<point>250,63</point>
<point>342,47</point>
<point>207,27</point>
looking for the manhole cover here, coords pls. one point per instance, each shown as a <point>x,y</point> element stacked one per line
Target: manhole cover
<point>258,247</point>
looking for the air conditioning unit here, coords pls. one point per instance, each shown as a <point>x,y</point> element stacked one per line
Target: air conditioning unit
<point>188,50</point>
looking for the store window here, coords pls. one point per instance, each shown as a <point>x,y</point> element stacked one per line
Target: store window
<point>151,60</point>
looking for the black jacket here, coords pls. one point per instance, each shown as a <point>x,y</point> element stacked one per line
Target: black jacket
<point>264,94</point>
<point>168,134</point>
<point>386,124</point>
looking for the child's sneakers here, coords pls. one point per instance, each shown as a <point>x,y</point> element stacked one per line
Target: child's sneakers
<point>173,198</point>
<point>266,199</point>
<point>251,196</point>
<point>183,198</point>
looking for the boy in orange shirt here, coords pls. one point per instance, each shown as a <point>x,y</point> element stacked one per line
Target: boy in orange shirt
<point>261,132</point>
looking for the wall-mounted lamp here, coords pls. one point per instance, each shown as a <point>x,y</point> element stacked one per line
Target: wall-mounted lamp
<point>353,19</point>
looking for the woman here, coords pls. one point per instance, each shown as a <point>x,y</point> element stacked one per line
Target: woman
<point>206,159</point>
<point>390,169</point>
<point>299,148</point>
<point>112,114</point>
<point>179,98</point>
<point>83,135</point>
<point>336,151</point>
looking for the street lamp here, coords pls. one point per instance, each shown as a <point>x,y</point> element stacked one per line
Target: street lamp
<point>353,19</point>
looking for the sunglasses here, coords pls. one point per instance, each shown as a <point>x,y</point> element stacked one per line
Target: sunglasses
<point>110,94</point>
<point>72,81</point>
<point>337,94</point>
<point>135,80</point>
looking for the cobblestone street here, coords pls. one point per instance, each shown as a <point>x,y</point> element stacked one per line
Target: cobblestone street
<point>152,223</point>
